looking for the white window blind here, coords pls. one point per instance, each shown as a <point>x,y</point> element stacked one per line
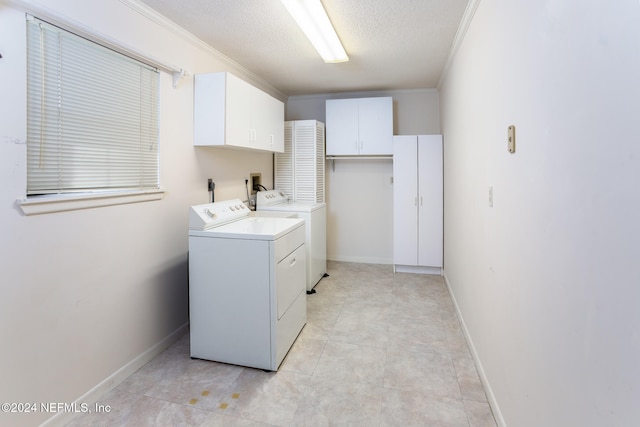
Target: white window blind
<point>92,120</point>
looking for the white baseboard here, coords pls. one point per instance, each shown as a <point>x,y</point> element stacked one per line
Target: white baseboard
<point>112,381</point>
<point>361,260</point>
<point>491,398</point>
<point>417,269</point>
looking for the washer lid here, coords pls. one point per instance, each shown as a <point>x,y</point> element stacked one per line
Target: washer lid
<point>293,207</point>
<point>252,228</point>
<point>273,214</point>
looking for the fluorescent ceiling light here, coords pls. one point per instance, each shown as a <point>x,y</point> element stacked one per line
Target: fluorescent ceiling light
<point>312,18</point>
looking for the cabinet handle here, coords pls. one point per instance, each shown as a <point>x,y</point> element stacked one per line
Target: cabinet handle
<point>420,200</point>
<point>293,261</point>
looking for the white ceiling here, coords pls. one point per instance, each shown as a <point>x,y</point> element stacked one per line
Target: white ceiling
<point>392,44</point>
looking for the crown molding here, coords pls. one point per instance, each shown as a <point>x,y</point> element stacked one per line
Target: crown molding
<point>40,9</point>
<point>174,28</point>
<point>465,22</point>
<point>362,94</point>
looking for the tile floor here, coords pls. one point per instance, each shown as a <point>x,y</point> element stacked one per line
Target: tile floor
<point>379,349</point>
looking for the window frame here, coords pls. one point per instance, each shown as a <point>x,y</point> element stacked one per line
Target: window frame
<point>73,200</point>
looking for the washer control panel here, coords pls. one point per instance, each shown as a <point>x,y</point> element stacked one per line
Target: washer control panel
<point>270,197</point>
<point>210,215</point>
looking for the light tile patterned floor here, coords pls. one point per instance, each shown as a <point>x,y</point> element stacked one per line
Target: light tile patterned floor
<point>379,349</point>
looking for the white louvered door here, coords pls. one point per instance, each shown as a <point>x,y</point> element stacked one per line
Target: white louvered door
<point>299,171</point>
<point>283,163</point>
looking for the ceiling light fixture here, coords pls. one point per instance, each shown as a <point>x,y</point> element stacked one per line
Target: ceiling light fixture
<point>313,20</point>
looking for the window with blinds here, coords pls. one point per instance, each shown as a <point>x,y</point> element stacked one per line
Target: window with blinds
<point>92,116</point>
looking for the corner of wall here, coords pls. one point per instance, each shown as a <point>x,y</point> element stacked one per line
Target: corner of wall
<point>491,398</point>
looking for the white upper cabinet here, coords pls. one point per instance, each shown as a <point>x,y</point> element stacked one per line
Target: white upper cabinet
<point>359,126</point>
<point>229,112</point>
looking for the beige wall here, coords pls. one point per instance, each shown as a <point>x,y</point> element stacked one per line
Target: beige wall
<point>547,280</point>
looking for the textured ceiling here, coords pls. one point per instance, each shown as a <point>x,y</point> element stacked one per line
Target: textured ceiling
<point>392,44</point>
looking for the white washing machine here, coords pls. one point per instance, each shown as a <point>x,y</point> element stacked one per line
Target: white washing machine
<point>315,217</point>
<point>247,300</point>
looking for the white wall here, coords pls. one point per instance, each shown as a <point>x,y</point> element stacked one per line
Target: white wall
<point>359,193</point>
<point>547,281</point>
<point>87,293</point>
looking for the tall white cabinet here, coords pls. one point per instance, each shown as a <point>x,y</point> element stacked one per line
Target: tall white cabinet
<point>359,126</point>
<point>299,171</point>
<point>418,204</point>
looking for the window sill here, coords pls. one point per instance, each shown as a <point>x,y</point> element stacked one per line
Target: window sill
<point>71,202</point>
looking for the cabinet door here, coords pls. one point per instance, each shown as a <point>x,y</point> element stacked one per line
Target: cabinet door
<point>375,116</point>
<point>430,200</point>
<point>209,109</point>
<point>274,125</point>
<point>342,127</point>
<point>238,125</point>
<point>405,201</point>
<point>257,102</point>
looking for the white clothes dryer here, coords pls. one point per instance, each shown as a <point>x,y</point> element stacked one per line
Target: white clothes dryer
<point>315,218</point>
<point>247,301</point>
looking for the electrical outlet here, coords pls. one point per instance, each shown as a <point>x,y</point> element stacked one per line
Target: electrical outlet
<point>490,196</point>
